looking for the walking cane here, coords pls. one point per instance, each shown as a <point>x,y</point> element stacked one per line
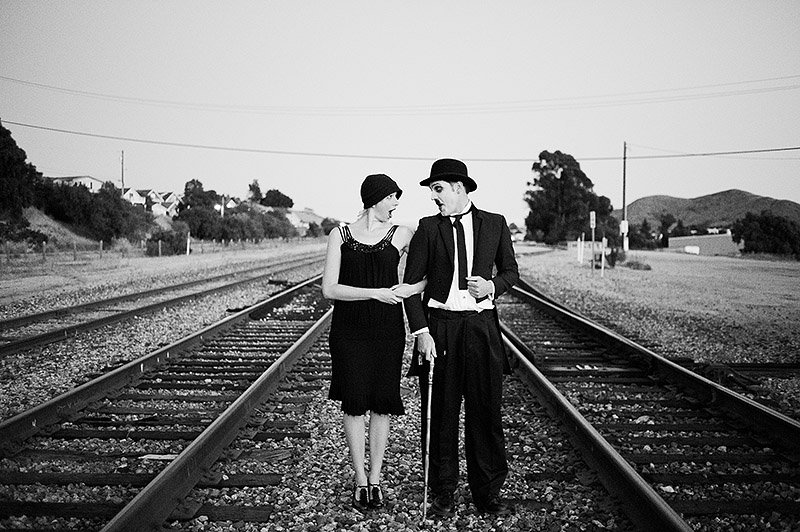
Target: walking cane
<point>427,443</point>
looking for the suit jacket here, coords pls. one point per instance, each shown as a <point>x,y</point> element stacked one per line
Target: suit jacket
<point>431,254</point>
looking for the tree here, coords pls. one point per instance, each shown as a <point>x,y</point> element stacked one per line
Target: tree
<point>112,217</point>
<point>172,242</point>
<point>276,198</point>
<point>276,225</point>
<point>255,192</point>
<point>641,236</point>
<point>203,223</point>
<point>194,196</point>
<point>328,225</point>
<point>767,233</point>
<point>18,180</point>
<point>666,220</point>
<point>198,211</point>
<point>313,230</point>
<point>680,230</point>
<point>560,200</point>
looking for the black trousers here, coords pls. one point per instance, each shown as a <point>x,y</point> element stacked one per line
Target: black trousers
<point>469,365</point>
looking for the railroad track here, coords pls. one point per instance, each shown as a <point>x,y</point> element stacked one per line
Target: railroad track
<point>206,431</point>
<point>682,450</point>
<point>173,412</point>
<point>161,438</point>
<point>34,330</point>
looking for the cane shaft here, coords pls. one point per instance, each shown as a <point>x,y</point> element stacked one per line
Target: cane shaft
<point>427,442</point>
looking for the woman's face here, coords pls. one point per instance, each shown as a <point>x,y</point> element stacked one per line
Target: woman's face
<point>385,207</point>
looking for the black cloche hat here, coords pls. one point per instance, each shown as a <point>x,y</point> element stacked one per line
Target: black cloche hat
<point>376,187</point>
<point>450,170</point>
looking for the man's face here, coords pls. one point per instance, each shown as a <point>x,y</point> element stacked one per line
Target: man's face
<point>449,197</point>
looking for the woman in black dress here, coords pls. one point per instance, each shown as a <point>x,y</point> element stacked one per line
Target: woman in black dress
<point>367,335</point>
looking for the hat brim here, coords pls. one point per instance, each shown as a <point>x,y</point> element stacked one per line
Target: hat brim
<point>469,183</point>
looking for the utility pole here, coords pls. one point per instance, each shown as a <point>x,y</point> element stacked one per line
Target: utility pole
<point>122,171</point>
<point>624,225</point>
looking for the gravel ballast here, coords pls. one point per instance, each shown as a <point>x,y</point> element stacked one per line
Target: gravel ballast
<point>712,309</point>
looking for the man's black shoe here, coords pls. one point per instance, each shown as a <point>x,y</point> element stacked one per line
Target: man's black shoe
<point>442,507</point>
<point>495,506</point>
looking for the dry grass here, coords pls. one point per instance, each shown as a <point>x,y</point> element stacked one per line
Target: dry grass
<point>711,308</point>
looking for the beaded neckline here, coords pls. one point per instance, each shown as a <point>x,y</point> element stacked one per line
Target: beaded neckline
<point>347,238</point>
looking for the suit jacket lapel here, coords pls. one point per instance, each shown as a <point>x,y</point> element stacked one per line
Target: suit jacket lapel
<point>477,218</point>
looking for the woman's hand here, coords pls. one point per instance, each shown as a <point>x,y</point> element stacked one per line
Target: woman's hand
<point>403,290</point>
<point>386,295</point>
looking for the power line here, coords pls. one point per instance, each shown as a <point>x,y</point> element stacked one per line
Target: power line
<point>742,158</point>
<point>546,104</point>
<point>391,157</point>
<point>217,148</point>
<point>702,154</point>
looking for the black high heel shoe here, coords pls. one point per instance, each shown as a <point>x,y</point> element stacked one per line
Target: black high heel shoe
<point>375,496</point>
<point>361,500</point>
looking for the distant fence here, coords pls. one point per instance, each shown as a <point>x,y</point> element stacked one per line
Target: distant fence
<point>21,254</point>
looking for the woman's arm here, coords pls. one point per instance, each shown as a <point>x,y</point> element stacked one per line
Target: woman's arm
<point>403,289</point>
<point>331,288</point>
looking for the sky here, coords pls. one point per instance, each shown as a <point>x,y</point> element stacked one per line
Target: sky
<point>311,97</point>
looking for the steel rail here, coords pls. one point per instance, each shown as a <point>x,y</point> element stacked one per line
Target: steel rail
<point>644,506</point>
<point>25,424</point>
<point>48,314</point>
<point>780,428</point>
<point>66,332</point>
<point>156,501</point>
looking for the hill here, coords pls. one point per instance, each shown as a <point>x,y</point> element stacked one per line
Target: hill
<point>715,210</point>
<point>58,233</point>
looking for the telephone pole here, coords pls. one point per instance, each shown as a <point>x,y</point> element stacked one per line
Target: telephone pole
<point>122,171</point>
<point>624,225</point>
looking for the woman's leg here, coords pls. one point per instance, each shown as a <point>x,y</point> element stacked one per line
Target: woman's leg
<point>378,436</point>
<point>354,433</point>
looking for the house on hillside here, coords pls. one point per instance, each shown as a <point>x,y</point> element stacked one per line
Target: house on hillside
<point>132,196</point>
<point>170,203</point>
<point>154,196</point>
<point>715,244</point>
<point>159,203</point>
<point>92,183</point>
<point>300,219</point>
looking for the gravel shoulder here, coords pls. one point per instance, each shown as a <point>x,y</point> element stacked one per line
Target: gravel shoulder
<point>36,287</point>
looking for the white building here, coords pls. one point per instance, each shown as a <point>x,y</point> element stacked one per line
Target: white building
<point>92,183</point>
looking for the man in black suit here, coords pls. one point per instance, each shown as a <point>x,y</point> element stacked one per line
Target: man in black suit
<point>455,322</point>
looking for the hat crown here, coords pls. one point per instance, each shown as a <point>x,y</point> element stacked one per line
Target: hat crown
<point>449,167</point>
<point>450,170</point>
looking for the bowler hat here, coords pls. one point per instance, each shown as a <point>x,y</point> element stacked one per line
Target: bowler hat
<point>450,170</point>
<point>376,187</point>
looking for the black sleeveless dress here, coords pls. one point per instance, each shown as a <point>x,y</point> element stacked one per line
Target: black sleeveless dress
<point>367,338</point>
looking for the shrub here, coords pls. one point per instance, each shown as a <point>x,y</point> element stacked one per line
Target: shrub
<point>172,243</point>
<point>124,247</point>
<point>636,265</point>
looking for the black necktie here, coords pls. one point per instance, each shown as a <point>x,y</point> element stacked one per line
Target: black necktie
<point>461,247</point>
